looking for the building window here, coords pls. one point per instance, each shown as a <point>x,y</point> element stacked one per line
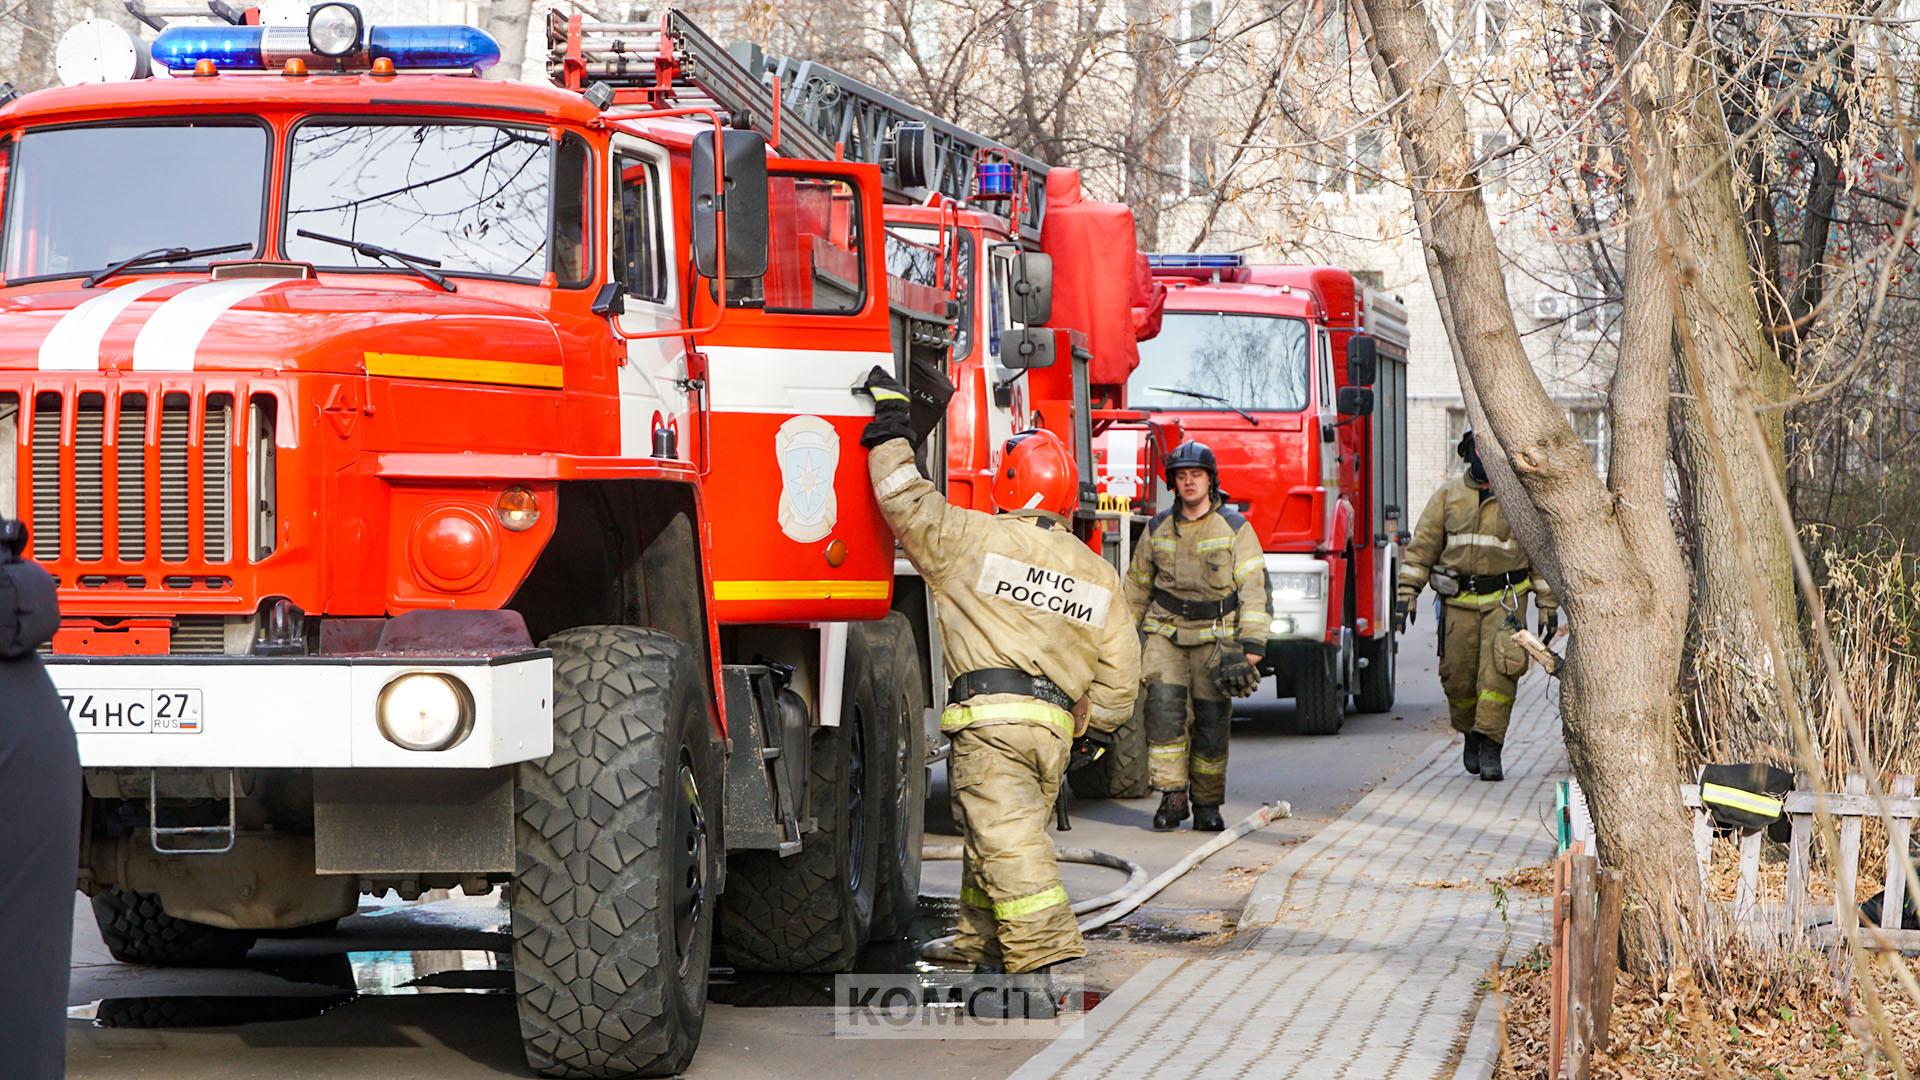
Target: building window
<point>1370,279</point>
<point>1595,310</point>
<point>1493,169</point>
<point>1369,150</point>
<point>1590,424</point>
<point>1197,158</point>
<point>1456,427</point>
<point>1195,29</point>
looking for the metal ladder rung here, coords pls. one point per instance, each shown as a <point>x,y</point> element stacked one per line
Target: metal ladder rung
<point>155,830</point>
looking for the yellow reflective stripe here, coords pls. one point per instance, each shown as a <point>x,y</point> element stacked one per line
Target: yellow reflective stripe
<point>1027,905</point>
<point>1165,545</point>
<point>1482,599</point>
<point>974,898</point>
<point>1740,800</point>
<point>1214,543</point>
<point>1496,696</point>
<point>881,393</point>
<point>802,590</point>
<point>1460,703</point>
<point>959,716</point>
<point>1201,766</point>
<point>1168,750</point>
<point>463,369</point>
<point>1141,574</point>
<point>1248,566</point>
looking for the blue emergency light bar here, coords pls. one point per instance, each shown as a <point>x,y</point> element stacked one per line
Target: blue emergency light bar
<point>1188,261</point>
<point>994,180</point>
<point>260,48</point>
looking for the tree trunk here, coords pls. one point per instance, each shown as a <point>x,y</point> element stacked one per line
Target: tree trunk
<point>1739,369</point>
<point>1608,552</point>
<point>507,21</point>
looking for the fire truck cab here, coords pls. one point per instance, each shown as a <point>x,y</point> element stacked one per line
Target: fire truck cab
<point>456,482</point>
<point>1295,376</point>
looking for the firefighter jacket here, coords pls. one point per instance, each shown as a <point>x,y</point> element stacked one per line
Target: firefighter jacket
<point>1015,590</point>
<point>1464,531</point>
<point>1212,559</point>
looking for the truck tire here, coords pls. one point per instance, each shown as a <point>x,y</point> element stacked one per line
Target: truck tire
<point>1320,702</point>
<point>1121,772</point>
<point>1375,693</point>
<point>901,793</point>
<point>137,930</point>
<point>617,862</point>
<point>811,911</point>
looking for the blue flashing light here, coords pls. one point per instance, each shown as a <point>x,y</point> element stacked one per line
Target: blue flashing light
<point>1187,261</point>
<point>248,48</point>
<point>994,179</point>
<point>230,48</point>
<point>441,47</point>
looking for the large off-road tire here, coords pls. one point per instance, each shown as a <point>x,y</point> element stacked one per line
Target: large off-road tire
<point>813,910</point>
<point>1320,702</point>
<point>618,833</point>
<point>1121,772</point>
<point>900,792</point>
<point>138,930</point>
<point>1375,692</point>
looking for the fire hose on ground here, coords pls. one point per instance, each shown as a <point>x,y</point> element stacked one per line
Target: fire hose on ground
<point>1138,890</point>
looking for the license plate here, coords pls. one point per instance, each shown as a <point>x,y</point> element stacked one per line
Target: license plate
<point>122,711</point>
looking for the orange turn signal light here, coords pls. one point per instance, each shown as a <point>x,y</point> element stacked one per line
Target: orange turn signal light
<point>204,68</point>
<point>383,65</point>
<point>518,509</point>
<point>294,66</point>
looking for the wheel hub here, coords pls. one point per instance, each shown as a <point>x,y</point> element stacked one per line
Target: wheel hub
<point>689,838</point>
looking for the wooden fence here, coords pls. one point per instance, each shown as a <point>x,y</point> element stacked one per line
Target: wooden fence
<point>1586,956</point>
<point>1849,809</point>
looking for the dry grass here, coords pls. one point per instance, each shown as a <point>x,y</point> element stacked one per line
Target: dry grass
<point>1763,1028</point>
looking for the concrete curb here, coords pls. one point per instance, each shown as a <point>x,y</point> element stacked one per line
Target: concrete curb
<point>1108,1014</point>
<point>1482,1053</point>
<point>1262,908</point>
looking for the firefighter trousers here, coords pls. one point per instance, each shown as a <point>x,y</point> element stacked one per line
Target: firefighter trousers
<point>1182,756</point>
<point>1013,909</point>
<point>1480,667</point>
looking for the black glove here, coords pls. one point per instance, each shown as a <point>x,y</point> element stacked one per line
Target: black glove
<point>928,396</point>
<point>13,539</point>
<point>1236,677</point>
<point>1549,625</point>
<point>1088,749</point>
<point>892,416</point>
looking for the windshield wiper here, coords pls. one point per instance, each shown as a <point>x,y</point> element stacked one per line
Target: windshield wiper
<point>160,255</point>
<point>1251,419</point>
<point>419,264</point>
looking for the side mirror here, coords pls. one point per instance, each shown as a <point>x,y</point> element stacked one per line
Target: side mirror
<point>1355,401</point>
<point>1027,348</point>
<point>745,208</point>
<point>1363,360</point>
<point>1032,303</point>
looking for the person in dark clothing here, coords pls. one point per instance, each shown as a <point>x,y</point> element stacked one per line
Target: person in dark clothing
<point>40,843</point>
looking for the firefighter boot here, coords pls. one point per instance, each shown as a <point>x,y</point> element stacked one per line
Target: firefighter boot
<point>1207,818</point>
<point>1490,759</point>
<point>1173,811</point>
<point>1471,758</point>
<point>1027,996</point>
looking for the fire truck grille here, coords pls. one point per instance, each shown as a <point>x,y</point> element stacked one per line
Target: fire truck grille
<point>148,481</point>
<point>198,635</point>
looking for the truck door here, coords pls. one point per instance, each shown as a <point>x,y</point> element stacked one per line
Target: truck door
<point>650,381</point>
<point>797,535</point>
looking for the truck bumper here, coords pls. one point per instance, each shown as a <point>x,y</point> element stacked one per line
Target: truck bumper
<point>295,712</point>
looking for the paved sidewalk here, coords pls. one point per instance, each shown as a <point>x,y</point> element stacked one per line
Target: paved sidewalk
<point>1362,950</point>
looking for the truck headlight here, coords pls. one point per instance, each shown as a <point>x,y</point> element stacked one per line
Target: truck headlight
<point>334,29</point>
<point>425,710</point>
<point>1292,588</point>
<point>1281,625</point>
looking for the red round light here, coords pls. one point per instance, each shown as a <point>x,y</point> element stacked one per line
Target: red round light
<point>453,548</point>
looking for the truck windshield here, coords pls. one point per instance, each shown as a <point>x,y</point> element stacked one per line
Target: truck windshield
<point>201,185</point>
<point>475,198</point>
<point>1255,362</point>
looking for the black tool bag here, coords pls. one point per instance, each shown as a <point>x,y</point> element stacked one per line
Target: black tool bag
<point>1871,911</point>
<point>1747,797</point>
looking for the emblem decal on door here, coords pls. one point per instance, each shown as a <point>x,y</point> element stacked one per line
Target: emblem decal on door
<point>808,450</point>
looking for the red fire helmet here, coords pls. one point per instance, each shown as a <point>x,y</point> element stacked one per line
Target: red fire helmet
<point>1036,473</point>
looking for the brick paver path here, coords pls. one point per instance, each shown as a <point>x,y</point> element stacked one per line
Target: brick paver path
<point>1362,951</point>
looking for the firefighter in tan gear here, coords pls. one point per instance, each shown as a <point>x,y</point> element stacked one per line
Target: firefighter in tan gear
<point>1198,586</point>
<point>1465,549</point>
<point>1043,663</point>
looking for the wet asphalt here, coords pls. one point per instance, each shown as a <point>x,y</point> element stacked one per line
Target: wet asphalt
<point>423,990</point>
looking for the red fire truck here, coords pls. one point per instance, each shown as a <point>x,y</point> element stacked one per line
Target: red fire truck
<point>455,482</point>
<point>1296,377</point>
